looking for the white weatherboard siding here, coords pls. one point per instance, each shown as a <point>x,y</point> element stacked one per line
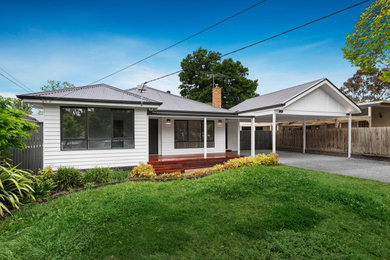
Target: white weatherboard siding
<point>85,159</point>
<point>168,139</point>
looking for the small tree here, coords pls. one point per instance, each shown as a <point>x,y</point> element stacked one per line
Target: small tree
<point>56,85</point>
<point>19,104</point>
<point>366,87</point>
<point>368,47</point>
<point>13,127</point>
<point>197,81</point>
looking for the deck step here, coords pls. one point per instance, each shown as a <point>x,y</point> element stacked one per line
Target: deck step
<point>180,165</point>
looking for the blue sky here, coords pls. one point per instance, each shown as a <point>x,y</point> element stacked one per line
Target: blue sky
<point>82,41</point>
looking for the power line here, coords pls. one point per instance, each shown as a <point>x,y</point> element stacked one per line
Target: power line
<point>179,42</point>
<point>15,81</point>
<point>272,37</point>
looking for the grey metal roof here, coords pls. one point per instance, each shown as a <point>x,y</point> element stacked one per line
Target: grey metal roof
<point>92,93</point>
<point>34,118</point>
<point>176,104</point>
<point>274,99</point>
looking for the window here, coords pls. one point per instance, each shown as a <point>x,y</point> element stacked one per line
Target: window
<point>189,134</point>
<point>96,128</point>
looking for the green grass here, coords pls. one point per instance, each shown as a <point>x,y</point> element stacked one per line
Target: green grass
<point>258,212</point>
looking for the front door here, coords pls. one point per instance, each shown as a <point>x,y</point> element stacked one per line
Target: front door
<point>153,136</point>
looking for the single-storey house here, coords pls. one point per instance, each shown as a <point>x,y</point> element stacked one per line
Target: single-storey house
<point>103,126</point>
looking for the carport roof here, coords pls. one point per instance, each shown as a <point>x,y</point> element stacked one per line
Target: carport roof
<point>274,99</point>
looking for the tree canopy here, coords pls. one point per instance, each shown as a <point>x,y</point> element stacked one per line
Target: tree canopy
<point>13,127</point>
<point>19,104</point>
<point>231,76</point>
<point>366,87</point>
<point>56,85</point>
<point>368,46</point>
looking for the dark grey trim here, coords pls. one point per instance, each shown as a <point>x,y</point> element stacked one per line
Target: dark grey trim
<point>89,100</point>
<point>262,108</point>
<point>185,113</point>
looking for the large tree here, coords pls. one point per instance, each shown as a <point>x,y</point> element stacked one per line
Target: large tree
<point>368,46</point>
<point>13,127</point>
<point>366,87</point>
<point>202,65</point>
<point>56,85</point>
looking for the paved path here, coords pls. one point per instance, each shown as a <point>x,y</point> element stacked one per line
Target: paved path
<point>368,169</point>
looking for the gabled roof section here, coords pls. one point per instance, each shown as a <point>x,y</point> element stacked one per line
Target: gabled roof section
<point>92,93</point>
<point>174,104</point>
<point>274,99</point>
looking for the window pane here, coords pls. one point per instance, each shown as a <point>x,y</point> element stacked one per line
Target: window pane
<point>74,144</point>
<point>99,123</point>
<point>123,124</point>
<point>99,144</point>
<point>195,133</point>
<point>73,122</point>
<point>210,134</point>
<point>181,133</point>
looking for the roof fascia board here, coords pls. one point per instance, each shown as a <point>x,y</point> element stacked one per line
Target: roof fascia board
<point>24,97</point>
<point>268,112</point>
<point>87,103</point>
<point>374,104</point>
<point>262,108</point>
<point>313,113</point>
<point>198,116</point>
<point>194,114</point>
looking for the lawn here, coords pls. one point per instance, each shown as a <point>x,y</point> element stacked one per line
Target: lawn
<point>257,212</point>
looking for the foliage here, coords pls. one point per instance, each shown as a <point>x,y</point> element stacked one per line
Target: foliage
<point>15,186</point>
<point>231,76</point>
<point>66,178</point>
<point>368,46</point>
<point>44,183</point>
<point>120,175</point>
<point>366,87</point>
<point>143,171</point>
<point>258,212</point>
<point>98,175</point>
<point>56,85</point>
<point>13,127</point>
<point>19,104</point>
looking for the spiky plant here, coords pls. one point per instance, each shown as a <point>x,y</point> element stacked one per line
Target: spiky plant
<point>15,185</point>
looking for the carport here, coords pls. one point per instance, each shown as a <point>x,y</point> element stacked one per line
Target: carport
<point>314,100</point>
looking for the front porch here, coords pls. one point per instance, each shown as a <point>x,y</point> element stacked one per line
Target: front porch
<point>180,163</point>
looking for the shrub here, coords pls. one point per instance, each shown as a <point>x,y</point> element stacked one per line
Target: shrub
<point>120,175</point>
<point>44,182</point>
<point>15,185</point>
<point>98,175</point>
<point>143,171</point>
<point>66,178</point>
<point>172,175</point>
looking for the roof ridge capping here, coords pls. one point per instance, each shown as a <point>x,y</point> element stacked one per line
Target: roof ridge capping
<point>187,99</point>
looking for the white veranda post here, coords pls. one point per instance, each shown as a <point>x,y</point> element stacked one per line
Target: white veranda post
<point>349,135</point>
<point>205,137</point>
<point>253,129</point>
<point>304,137</point>
<point>238,137</point>
<point>274,132</point>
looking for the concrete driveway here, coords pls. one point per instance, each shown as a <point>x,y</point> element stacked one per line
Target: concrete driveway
<point>368,169</point>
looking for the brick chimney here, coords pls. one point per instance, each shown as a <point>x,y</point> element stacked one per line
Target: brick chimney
<point>217,97</point>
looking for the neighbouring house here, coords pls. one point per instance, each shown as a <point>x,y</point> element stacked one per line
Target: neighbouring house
<point>103,126</point>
